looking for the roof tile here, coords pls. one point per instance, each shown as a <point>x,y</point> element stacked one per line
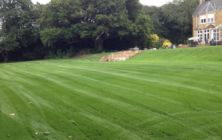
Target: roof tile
<point>208,6</point>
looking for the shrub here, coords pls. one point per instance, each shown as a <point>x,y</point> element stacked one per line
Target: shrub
<point>155,41</point>
<point>166,44</point>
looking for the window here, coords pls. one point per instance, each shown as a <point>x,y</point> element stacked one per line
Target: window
<point>207,18</point>
<point>210,20</point>
<point>207,34</point>
<point>200,35</point>
<point>203,20</point>
<point>220,34</point>
<point>216,34</point>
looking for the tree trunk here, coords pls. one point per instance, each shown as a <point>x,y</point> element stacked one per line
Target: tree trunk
<point>99,44</point>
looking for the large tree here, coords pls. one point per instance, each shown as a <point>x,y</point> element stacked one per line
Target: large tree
<point>94,20</point>
<point>173,20</point>
<point>18,29</point>
<point>64,25</point>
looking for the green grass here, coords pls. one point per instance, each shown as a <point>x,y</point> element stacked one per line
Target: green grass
<point>158,95</point>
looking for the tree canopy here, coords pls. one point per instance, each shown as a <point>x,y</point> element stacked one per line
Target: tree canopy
<point>173,20</point>
<point>70,26</point>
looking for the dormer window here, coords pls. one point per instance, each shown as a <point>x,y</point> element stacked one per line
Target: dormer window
<point>203,20</point>
<point>210,20</point>
<point>207,18</point>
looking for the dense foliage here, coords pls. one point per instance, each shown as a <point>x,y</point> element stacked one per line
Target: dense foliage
<point>71,27</point>
<point>19,36</point>
<point>173,20</point>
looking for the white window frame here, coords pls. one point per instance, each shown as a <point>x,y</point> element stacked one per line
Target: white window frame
<point>203,20</point>
<point>208,18</point>
<point>200,35</point>
<point>220,35</point>
<point>216,34</point>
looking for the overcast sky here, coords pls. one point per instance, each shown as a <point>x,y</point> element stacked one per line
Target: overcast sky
<point>145,2</point>
<point>154,2</point>
<point>41,1</point>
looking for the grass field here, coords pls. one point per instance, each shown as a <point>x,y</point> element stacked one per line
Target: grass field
<point>158,95</point>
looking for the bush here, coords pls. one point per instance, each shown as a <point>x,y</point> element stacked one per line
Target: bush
<point>166,44</point>
<point>155,41</point>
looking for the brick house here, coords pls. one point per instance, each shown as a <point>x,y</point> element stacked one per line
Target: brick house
<point>207,22</point>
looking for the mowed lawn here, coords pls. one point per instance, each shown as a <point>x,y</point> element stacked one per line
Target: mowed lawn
<point>157,95</point>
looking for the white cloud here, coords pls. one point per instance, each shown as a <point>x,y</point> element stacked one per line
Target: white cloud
<point>154,2</point>
<point>41,1</point>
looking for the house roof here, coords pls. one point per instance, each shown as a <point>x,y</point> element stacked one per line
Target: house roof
<point>208,6</point>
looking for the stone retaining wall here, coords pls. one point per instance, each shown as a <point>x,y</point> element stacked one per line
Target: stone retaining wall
<point>120,56</point>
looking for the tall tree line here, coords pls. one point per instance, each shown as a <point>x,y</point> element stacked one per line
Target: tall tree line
<point>173,20</point>
<point>70,26</point>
